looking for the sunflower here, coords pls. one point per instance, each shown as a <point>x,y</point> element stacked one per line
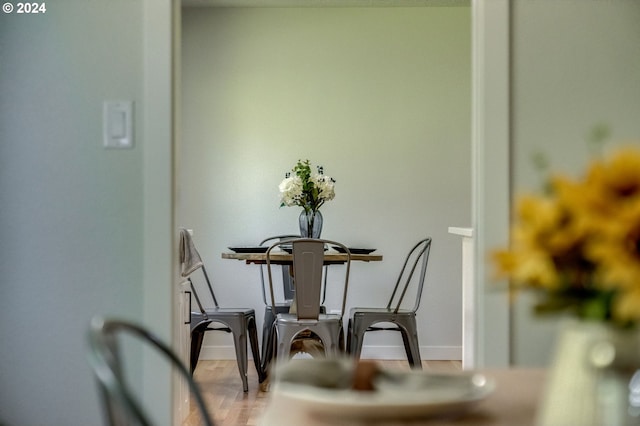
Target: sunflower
<point>546,246</point>
<point>528,267</point>
<point>615,184</point>
<point>578,244</point>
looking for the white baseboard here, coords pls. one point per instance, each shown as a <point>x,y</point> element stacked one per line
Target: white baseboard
<point>427,353</point>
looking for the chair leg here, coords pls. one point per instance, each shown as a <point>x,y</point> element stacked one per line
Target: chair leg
<point>239,332</point>
<point>255,348</point>
<point>197,336</point>
<point>269,318</point>
<point>409,333</point>
<point>349,335</point>
<point>356,345</point>
<point>332,348</point>
<point>355,341</point>
<point>407,347</point>
<point>341,343</point>
<point>269,349</point>
<point>282,343</point>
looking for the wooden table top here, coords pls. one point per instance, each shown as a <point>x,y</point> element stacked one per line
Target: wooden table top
<point>283,257</point>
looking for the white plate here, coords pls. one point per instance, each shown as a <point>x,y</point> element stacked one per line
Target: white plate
<point>398,395</point>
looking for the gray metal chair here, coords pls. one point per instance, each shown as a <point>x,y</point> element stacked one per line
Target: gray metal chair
<point>282,305</point>
<point>120,405</point>
<point>362,320</point>
<point>306,319</point>
<point>240,322</point>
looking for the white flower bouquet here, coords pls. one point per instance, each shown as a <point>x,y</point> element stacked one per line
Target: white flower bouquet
<point>302,188</point>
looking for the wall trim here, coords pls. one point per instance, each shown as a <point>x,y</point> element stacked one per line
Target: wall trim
<point>158,178</point>
<point>490,173</point>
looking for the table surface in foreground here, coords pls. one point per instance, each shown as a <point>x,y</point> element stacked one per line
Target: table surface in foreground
<point>513,403</point>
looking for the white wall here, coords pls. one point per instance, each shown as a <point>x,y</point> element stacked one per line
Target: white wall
<point>575,64</point>
<point>71,221</point>
<point>379,96</point>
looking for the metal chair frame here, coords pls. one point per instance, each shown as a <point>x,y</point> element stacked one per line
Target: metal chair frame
<point>308,265</point>
<point>240,322</point>
<point>281,306</point>
<point>287,283</point>
<point>362,320</point>
<point>120,405</point>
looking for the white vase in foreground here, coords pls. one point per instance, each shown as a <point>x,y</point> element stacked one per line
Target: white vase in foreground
<point>593,380</point>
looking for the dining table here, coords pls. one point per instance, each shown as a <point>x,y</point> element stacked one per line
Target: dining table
<point>282,257</point>
<point>514,401</point>
<point>257,255</point>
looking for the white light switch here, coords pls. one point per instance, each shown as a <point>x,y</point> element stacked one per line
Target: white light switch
<point>118,124</point>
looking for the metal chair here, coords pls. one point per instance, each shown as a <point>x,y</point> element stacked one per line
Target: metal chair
<point>306,319</point>
<point>120,405</point>
<point>362,320</point>
<point>282,305</point>
<point>240,322</point>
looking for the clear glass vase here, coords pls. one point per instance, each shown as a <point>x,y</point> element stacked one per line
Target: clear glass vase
<point>310,224</point>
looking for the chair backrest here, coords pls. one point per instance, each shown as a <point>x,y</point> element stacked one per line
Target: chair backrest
<point>191,262</point>
<point>288,290</point>
<point>418,255</point>
<point>120,405</point>
<point>308,261</point>
<point>209,287</point>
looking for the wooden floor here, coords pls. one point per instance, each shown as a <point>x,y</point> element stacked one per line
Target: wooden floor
<point>230,406</point>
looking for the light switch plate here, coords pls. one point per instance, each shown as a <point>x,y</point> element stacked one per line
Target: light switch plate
<point>118,124</point>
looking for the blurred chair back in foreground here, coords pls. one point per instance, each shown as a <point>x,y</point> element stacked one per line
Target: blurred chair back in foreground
<point>121,406</point>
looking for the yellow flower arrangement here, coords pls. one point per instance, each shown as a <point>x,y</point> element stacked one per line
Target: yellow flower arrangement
<point>578,245</point>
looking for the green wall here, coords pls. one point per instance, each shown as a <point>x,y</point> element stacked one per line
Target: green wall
<point>71,215</point>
